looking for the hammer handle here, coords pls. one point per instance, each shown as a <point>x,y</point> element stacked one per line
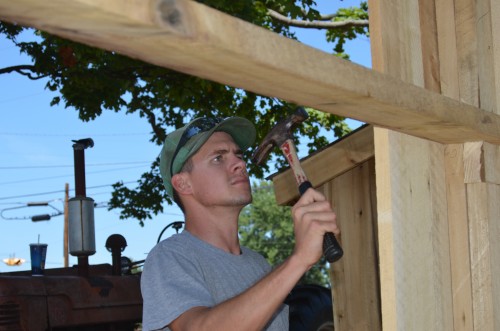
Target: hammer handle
<point>331,247</point>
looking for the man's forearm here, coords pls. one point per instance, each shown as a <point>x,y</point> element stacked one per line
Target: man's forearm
<point>250,310</point>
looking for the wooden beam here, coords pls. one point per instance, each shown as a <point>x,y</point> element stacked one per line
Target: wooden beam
<point>483,211</point>
<point>429,44</point>
<point>447,49</point>
<point>488,54</point>
<point>386,233</point>
<point>461,285</point>
<point>321,167</point>
<point>453,62</point>
<point>355,280</point>
<point>482,163</point>
<point>495,30</point>
<point>468,73</point>
<point>197,40</point>
<point>415,273</point>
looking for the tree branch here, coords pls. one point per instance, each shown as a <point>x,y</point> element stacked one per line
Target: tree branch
<point>326,17</point>
<point>160,134</point>
<point>316,24</point>
<point>21,69</point>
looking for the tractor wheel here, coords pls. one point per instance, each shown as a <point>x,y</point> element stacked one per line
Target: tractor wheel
<point>310,308</point>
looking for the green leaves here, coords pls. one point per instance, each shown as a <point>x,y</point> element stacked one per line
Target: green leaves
<point>339,36</point>
<point>148,200</point>
<point>92,81</point>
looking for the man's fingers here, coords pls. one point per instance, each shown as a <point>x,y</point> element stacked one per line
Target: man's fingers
<point>310,196</point>
<point>320,212</point>
<point>299,211</point>
<point>324,221</point>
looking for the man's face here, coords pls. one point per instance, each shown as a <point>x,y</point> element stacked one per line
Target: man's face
<point>218,176</point>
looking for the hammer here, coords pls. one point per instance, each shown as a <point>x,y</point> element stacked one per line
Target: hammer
<point>281,136</point>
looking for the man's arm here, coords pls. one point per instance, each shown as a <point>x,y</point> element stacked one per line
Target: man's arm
<point>252,309</point>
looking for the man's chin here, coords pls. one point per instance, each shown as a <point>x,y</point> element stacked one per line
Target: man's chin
<point>242,200</point>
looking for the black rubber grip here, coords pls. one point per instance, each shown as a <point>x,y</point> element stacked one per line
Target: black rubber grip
<point>304,187</point>
<point>331,247</point>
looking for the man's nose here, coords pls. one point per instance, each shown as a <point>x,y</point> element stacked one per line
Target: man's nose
<point>238,163</point>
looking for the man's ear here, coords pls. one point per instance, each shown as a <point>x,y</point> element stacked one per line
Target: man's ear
<point>181,183</point>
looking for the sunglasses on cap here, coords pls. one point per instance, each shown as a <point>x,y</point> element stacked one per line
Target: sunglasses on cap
<point>201,125</point>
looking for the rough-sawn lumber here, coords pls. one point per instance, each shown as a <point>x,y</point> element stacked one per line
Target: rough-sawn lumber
<point>192,38</point>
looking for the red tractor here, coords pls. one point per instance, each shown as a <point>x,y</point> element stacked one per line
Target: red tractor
<point>83,297</point>
<point>63,299</point>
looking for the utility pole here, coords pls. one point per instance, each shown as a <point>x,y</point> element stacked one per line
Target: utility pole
<point>66,224</point>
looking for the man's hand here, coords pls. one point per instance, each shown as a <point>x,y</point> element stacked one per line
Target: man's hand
<point>312,217</point>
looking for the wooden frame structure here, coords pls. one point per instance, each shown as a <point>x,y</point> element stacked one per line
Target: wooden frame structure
<point>432,97</point>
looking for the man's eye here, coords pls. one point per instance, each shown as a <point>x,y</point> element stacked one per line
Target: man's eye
<point>218,158</point>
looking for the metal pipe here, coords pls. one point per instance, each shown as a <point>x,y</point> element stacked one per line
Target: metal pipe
<point>80,194</point>
<point>79,159</point>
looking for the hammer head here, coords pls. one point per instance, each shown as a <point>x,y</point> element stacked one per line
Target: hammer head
<point>281,132</point>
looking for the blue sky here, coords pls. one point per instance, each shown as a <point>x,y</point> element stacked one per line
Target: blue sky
<point>36,161</point>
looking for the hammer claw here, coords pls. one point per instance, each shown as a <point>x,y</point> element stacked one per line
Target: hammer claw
<point>279,134</point>
<point>260,154</point>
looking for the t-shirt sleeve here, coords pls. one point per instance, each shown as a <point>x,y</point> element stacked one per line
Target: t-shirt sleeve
<point>171,284</point>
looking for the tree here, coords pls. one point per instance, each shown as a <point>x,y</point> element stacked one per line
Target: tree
<point>92,80</point>
<point>267,228</point>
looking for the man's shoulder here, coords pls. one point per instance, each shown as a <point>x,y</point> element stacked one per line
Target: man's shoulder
<point>186,247</point>
<point>250,252</point>
<point>177,243</point>
<point>176,250</point>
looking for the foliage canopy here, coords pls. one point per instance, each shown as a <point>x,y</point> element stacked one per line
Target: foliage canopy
<point>91,80</point>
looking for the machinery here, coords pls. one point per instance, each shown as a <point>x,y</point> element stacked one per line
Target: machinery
<point>83,297</point>
<point>108,297</point>
<point>64,300</point>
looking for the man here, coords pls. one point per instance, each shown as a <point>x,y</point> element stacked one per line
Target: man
<point>202,279</point>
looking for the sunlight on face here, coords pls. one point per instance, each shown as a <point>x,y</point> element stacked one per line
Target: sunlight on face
<point>219,176</point>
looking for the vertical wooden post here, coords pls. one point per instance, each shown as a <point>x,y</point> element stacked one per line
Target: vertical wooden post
<point>410,174</point>
<point>482,177</point>
<point>462,218</point>
<point>355,277</point>
<point>66,225</point>
<point>459,238</point>
<point>481,167</point>
<point>456,46</point>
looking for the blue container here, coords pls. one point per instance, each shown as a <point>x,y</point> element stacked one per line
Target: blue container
<point>38,253</point>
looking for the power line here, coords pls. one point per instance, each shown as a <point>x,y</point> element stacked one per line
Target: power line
<point>59,191</point>
<point>71,134</point>
<point>71,165</point>
<point>68,175</point>
<point>21,97</point>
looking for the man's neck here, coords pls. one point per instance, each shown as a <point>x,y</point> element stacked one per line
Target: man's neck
<point>216,227</point>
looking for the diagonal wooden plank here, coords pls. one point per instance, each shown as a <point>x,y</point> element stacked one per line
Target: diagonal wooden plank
<point>192,38</point>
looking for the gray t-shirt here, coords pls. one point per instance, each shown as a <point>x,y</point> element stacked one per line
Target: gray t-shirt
<point>183,272</point>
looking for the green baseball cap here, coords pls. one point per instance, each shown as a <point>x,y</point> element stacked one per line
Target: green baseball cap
<point>182,143</point>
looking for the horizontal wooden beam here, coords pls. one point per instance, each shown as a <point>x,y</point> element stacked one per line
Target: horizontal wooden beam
<point>338,158</point>
<point>194,39</point>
